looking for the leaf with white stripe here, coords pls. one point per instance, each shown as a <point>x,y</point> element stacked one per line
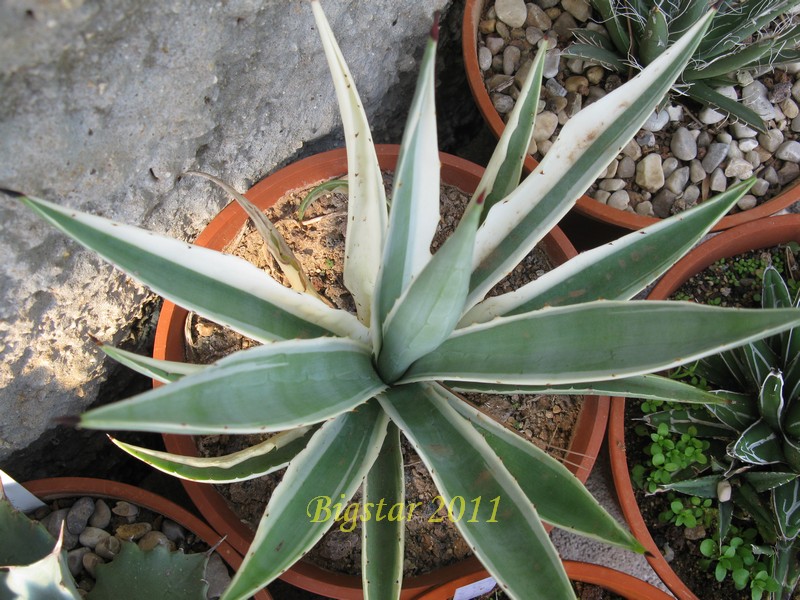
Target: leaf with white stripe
<point>686,420</point>
<point>264,389</point>
<point>164,371</point>
<point>738,413</point>
<point>256,461</point>
<point>786,502</point>
<point>758,445</point>
<point>220,287</point>
<point>770,400</point>
<point>367,214</point>
<point>587,143</point>
<point>594,342</point>
<point>332,466</point>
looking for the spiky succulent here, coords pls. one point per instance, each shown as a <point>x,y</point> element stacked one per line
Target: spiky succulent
<point>757,435</point>
<point>341,388</point>
<point>745,35</point>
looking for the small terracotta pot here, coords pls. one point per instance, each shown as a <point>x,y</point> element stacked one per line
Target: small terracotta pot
<point>68,487</point>
<point>169,345</point>
<point>751,236</point>
<point>586,206</point>
<point>617,582</point>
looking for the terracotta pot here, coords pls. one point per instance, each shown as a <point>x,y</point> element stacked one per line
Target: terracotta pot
<point>617,582</point>
<point>66,487</point>
<point>169,344</point>
<point>751,236</point>
<point>586,206</point>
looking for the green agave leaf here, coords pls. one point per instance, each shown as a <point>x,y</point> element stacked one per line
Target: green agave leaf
<point>415,197</point>
<point>656,36</point>
<point>559,497</point>
<point>687,15</point>
<point>47,578</point>
<point>165,371</point>
<point>760,360</point>
<point>221,287</point>
<point>503,172</point>
<point>593,38</point>
<point>775,294</point>
<point>747,498</point>
<point>273,240</point>
<point>786,507</point>
<point>738,413</point>
<point>587,143</point>
<point>263,389</point>
<point>383,541</point>
<point>714,370</point>
<point>763,481</point>
<point>682,420</point>
<point>791,453</point>
<point>327,472</point>
<point>469,474</point>
<point>24,541</point>
<point>334,185</point>
<point>261,459</point>
<point>595,341</point>
<point>646,387</point>
<point>615,271</point>
<point>614,24</point>
<point>591,52</point>
<point>704,94</point>
<point>704,487</point>
<point>736,364</point>
<point>758,445</point>
<point>728,63</point>
<point>770,400</point>
<point>368,218</point>
<point>430,308</point>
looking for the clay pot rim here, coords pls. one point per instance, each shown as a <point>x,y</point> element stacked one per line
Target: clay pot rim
<point>586,205</point>
<point>614,581</point>
<point>590,428</point>
<point>64,487</point>
<point>764,233</point>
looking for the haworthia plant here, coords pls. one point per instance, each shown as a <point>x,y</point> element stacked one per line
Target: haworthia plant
<point>747,35</point>
<point>342,390</point>
<point>760,430</point>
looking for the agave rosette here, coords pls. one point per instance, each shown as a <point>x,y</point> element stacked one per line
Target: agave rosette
<point>342,388</point>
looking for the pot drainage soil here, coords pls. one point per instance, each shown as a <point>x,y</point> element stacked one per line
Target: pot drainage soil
<point>318,243</point>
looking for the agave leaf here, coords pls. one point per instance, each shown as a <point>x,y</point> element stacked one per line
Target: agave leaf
<point>614,25</point>
<point>383,541</point>
<point>727,63</point>
<point>427,313</point>
<point>770,400</point>
<point>164,371</point>
<point>682,420</point>
<point>327,472</point>
<point>368,217</point>
<point>760,360</point>
<point>646,387</point>
<point>468,474</point>
<point>704,487</point>
<point>700,92</point>
<point>758,445</point>
<point>734,26</point>
<point>775,294</point>
<point>615,271</point>
<point>714,370</point>
<point>261,459</point>
<point>738,413</point>
<point>682,19</point>
<point>656,36</point>
<point>593,38</point>
<point>415,196</point>
<point>786,507</point>
<point>736,364</point>
<point>47,578</point>
<point>505,166</point>
<point>333,185</point>
<point>746,497</point>
<point>559,497</point>
<point>594,342</point>
<point>223,288</point>
<point>763,481</point>
<point>600,55</point>
<point>273,240</point>
<point>587,143</point>
<point>308,381</point>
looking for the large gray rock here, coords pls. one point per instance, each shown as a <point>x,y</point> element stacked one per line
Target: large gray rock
<point>105,104</point>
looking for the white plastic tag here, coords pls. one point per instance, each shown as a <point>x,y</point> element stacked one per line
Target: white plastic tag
<point>473,590</point>
<point>20,498</point>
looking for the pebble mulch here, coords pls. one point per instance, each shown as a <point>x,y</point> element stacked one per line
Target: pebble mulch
<point>683,154</point>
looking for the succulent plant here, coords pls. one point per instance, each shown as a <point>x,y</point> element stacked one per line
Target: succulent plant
<point>33,566</point>
<point>339,389</point>
<point>745,35</point>
<point>757,436</point>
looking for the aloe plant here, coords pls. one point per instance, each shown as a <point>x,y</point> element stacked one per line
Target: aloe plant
<point>744,35</point>
<point>338,389</point>
<point>757,435</point>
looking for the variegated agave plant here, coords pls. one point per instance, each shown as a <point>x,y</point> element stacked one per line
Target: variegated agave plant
<point>341,388</point>
<point>745,35</point>
<point>757,435</point>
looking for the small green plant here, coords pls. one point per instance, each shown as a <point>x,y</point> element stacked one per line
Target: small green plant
<point>670,454</point>
<point>338,389</point>
<point>736,559</point>
<point>688,511</point>
<point>743,36</point>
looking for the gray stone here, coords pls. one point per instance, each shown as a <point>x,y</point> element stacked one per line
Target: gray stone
<point>677,180</point>
<point>704,139</point>
<point>754,158</point>
<point>645,209</point>
<point>151,539</point>
<point>709,116</point>
<point>494,43</point>
<point>675,112</point>
<point>101,516</point>
<point>217,577</point>
<point>724,137</point>
<point>656,121</point>
<point>554,88</point>
<point>511,12</point>
<point>746,202</point>
<point>789,150</point>
<point>790,108</point>
<point>511,58</point>
<point>108,547</point>
<point>796,90</point>
<point>626,168</point>
<point>79,514</point>
<point>91,536</point>
<point>104,105</point>
<point>75,560</point>
<point>90,562</point>
<point>683,145</point>
<point>551,63</point>
<point>649,175</point>
<point>795,126</point>
<point>611,172</point>
<point>645,138</point>
<point>715,155</point>
<point>741,131</point>
<point>611,185</point>
<point>173,531</point>
<point>760,187</point>
<point>754,96</point>
<point>564,25</point>
<point>738,168</point>
<point>691,195</point>
<point>717,181</point>
<point>771,139</point>
<point>696,171</point>
<point>502,103</point>
<point>577,8</point>
<point>484,58</point>
<point>662,203</point>
<point>770,175</point>
<point>788,173</point>
<point>538,18</point>
<point>669,165</point>
<point>546,123</point>
<point>602,196</point>
<point>748,144</point>
<point>619,200</point>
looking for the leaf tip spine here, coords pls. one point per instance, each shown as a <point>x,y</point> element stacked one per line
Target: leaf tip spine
<point>435,27</point>
<point>67,420</point>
